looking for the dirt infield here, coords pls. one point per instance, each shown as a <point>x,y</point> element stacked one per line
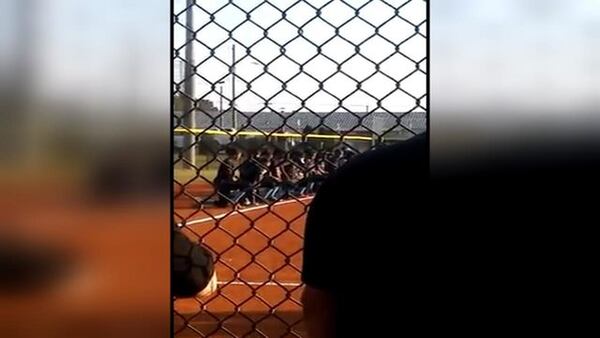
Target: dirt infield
<point>116,267</point>
<point>259,257</point>
<point>189,197</point>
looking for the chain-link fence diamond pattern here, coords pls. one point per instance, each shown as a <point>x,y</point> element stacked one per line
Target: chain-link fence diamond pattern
<point>298,87</point>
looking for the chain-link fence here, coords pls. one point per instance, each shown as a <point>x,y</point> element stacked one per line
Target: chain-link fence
<point>271,97</point>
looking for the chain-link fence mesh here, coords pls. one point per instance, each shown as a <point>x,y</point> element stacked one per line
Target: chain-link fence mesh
<point>296,88</point>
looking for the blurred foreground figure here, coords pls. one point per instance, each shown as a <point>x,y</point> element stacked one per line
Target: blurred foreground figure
<point>350,258</point>
<point>27,269</point>
<point>494,245</point>
<point>193,268</point>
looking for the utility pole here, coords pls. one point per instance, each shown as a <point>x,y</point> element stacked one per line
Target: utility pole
<point>189,112</point>
<point>233,112</point>
<point>221,104</point>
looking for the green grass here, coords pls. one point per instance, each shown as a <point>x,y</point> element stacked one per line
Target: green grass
<point>209,172</point>
<point>185,175</point>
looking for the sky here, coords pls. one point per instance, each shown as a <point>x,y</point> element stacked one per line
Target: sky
<point>101,53</point>
<point>266,86</point>
<point>515,58</point>
<point>528,56</point>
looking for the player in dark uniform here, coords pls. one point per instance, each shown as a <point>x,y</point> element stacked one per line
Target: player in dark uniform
<point>309,169</point>
<point>294,173</point>
<point>227,179</point>
<point>333,160</point>
<point>275,178</point>
<point>319,171</point>
<point>250,175</point>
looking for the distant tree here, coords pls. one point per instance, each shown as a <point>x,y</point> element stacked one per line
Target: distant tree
<point>208,145</point>
<point>205,105</point>
<point>308,130</point>
<point>179,102</point>
<point>323,130</point>
<point>323,143</point>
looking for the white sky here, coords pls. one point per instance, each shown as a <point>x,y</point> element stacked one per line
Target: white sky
<point>515,57</point>
<point>300,50</point>
<point>541,55</point>
<point>101,53</point>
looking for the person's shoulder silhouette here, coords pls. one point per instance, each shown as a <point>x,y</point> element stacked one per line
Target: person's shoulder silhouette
<point>350,230</point>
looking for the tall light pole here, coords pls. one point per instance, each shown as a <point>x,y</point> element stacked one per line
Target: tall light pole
<point>189,114</point>
<point>221,103</point>
<point>233,112</point>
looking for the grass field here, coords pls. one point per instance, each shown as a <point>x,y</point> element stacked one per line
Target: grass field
<point>184,175</point>
<point>187,175</point>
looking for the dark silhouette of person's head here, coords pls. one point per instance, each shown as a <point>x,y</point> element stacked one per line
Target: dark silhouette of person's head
<point>233,153</point>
